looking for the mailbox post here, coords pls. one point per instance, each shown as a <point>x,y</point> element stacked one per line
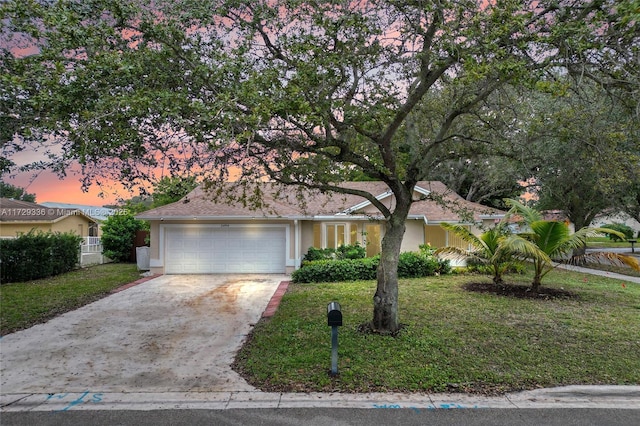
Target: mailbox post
<point>334,320</point>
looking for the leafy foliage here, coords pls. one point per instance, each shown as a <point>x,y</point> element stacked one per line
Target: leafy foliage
<point>620,227</point>
<point>118,234</point>
<point>171,189</point>
<point>410,265</point>
<point>345,251</point>
<point>38,255</point>
<point>337,270</point>
<point>554,240</point>
<point>600,133</point>
<point>10,191</point>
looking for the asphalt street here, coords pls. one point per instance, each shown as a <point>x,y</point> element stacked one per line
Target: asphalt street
<point>332,417</point>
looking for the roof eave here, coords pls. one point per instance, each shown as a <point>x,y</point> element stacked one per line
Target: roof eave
<point>209,217</point>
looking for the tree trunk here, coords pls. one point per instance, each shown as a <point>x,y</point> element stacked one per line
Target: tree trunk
<point>535,285</point>
<point>385,301</point>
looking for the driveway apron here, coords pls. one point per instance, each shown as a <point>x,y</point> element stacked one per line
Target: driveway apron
<point>173,333</point>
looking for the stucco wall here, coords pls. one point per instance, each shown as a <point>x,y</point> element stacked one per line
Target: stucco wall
<point>413,236</point>
<point>67,224</point>
<point>13,230</point>
<point>72,224</point>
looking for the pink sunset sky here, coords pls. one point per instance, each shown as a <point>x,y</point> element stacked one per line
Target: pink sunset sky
<point>49,188</point>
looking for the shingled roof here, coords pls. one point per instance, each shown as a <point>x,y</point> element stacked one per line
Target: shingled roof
<point>17,211</point>
<point>285,202</point>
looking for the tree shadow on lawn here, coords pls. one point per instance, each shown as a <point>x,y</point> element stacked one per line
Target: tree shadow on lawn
<point>519,291</point>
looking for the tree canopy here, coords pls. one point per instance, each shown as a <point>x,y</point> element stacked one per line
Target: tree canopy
<point>300,93</point>
<point>11,191</point>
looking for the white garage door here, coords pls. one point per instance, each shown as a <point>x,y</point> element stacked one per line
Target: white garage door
<point>224,249</point>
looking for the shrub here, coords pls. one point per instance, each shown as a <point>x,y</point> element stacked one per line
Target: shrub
<point>512,267</point>
<point>620,227</point>
<point>118,234</point>
<point>314,254</point>
<point>337,270</point>
<point>349,251</point>
<point>38,255</point>
<point>410,265</point>
<point>413,265</point>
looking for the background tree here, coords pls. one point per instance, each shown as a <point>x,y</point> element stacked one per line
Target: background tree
<point>10,191</point>
<point>587,147</point>
<point>171,189</point>
<point>484,161</point>
<point>301,93</point>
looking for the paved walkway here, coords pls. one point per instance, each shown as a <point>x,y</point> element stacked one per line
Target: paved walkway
<point>622,277</point>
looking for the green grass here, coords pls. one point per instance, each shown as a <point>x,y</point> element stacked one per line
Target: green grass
<point>454,340</point>
<point>23,305</point>
<point>605,242</point>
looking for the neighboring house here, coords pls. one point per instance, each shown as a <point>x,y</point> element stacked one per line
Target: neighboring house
<point>98,214</point>
<point>18,217</point>
<point>609,217</point>
<point>196,235</point>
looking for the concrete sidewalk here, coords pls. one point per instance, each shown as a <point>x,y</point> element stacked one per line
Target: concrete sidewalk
<point>601,397</point>
<point>597,272</point>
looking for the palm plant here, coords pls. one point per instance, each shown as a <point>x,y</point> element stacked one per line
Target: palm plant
<point>555,241</point>
<point>494,247</point>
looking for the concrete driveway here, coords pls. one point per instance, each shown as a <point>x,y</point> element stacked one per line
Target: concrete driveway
<point>173,333</point>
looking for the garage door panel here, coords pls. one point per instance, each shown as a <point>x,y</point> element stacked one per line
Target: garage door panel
<point>225,250</point>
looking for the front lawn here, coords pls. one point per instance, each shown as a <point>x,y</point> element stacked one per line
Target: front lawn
<point>23,305</point>
<point>606,242</point>
<point>454,339</point>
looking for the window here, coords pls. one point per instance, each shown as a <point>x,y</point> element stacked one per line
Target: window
<point>438,237</point>
<point>372,239</point>
<point>333,235</point>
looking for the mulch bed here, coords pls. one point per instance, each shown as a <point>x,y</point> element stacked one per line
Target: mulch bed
<point>520,291</point>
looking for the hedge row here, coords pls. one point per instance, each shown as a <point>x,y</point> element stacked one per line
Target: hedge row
<point>38,255</point>
<point>410,265</point>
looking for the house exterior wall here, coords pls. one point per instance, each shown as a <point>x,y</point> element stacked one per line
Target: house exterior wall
<point>623,218</point>
<point>68,224</point>
<point>78,225</point>
<point>306,236</point>
<point>299,242</point>
<point>12,230</point>
<point>413,235</point>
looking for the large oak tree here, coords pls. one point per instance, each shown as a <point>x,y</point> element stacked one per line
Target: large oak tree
<point>300,93</point>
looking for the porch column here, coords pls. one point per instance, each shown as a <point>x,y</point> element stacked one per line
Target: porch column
<point>296,243</point>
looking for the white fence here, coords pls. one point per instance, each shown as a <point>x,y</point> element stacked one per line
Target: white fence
<point>91,252</point>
